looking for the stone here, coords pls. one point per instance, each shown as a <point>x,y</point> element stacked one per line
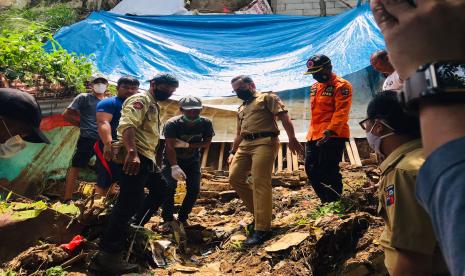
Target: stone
<point>287,241</point>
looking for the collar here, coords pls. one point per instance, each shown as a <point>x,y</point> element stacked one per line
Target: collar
<point>152,98</point>
<point>398,154</point>
<point>254,96</point>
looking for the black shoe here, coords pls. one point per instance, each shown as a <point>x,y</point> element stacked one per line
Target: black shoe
<point>258,237</point>
<point>111,263</point>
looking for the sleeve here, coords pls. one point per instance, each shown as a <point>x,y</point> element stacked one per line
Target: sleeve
<point>343,101</point>
<point>106,106</point>
<point>169,131</point>
<point>76,104</point>
<point>274,104</point>
<point>208,130</point>
<point>411,225</point>
<point>133,113</point>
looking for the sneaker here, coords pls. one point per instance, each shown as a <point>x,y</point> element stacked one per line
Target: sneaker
<point>257,238</point>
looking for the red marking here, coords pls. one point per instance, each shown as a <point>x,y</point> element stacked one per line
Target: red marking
<point>54,121</point>
<point>102,159</point>
<point>138,105</point>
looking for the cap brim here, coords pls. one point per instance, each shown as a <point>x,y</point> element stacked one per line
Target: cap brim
<point>313,71</point>
<point>37,136</point>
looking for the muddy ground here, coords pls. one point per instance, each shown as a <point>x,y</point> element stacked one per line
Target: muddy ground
<point>308,238</point>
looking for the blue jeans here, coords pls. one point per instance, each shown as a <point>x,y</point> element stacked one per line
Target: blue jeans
<point>191,168</point>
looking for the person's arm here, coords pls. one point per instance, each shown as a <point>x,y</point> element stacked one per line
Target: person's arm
<point>237,141</point>
<point>72,116</point>
<point>412,264</point>
<point>104,131</point>
<point>294,144</point>
<point>171,150</point>
<point>204,144</point>
<point>132,161</point>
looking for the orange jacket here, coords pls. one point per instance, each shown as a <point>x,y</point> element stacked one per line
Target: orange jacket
<point>330,107</point>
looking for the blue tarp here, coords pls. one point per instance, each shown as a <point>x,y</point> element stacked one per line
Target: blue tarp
<point>205,52</point>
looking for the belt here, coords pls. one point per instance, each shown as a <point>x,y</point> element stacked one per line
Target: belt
<point>254,136</point>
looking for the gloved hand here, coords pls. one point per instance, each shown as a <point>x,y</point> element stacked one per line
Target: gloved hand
<point>177,173</point>
<point>181,144</point>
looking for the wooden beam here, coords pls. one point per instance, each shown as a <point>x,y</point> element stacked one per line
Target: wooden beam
<point>295,162</point>
<point>288,160</point>
<point>220,159</point>
<point>353,145</point>
<point>349,153</point>
<point>205,156</point>
<point>280,158</point>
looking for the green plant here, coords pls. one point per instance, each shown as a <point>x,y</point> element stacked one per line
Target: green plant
<point>332,208</point>
<point>55,271</point>
<point>7,273</point>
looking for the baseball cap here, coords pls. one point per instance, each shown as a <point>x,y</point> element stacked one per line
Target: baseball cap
<point>23,107</point>
<point>316,63</point>
<point>98,77</point>
<point>190,102</point>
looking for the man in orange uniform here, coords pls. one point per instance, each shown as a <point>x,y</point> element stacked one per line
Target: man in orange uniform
<point>330,101</point>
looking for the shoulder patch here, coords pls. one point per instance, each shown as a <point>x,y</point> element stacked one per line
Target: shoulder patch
<point>329,91</point>
<point>390,199</point>
<point>138,105</point>
<point>345,91</point>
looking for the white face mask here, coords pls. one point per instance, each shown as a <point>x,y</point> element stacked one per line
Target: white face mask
<point>12,146</point>
<point>375,141</point>
<point>100,88</point>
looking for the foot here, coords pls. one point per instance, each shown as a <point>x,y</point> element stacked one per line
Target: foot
<point>257,238</point>
<point>250,229</point>
<point>111,263</point>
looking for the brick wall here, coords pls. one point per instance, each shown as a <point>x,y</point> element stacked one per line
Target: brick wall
<point>309,7</point>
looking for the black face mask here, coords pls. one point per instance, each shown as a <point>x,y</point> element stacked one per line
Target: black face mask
<point>321,77</point>
<point>161,95</point>
<point>244,94</point>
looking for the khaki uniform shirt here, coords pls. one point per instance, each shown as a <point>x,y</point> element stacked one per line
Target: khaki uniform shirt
<point>258,115</point>
<point>141,112</point>
<point>408,226</point>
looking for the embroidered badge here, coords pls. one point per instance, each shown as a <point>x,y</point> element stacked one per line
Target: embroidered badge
<point>138,105</point>
<point>313,90</point>
<point>345,91</point>
<point>389,195</point>
<point>328,91</point>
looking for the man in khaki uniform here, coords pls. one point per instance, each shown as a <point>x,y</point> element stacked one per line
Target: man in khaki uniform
<point>254,150</point>
<point>408,239</point>
<point>139,132</point>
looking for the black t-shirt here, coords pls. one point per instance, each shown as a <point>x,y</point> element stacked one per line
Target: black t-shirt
<point>176,127</point>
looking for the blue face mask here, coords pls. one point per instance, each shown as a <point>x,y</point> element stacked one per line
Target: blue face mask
<point>196,120</point>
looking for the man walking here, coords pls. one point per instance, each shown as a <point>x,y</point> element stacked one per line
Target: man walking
<point>108,115</point>
<point>184,135</point>
<point>82,113</point>
<point>139,132</point>
<point>254,151</point>
<point>330,101</point>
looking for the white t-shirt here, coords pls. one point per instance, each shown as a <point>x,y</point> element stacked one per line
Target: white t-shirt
<point>393,82</point>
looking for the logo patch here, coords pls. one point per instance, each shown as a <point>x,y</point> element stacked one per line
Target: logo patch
<point>345,91</point>
<point>390,199</point>
<point>310,64</point>
<point>329,91</point>
<point>313,91</point>
<point>138,105</point>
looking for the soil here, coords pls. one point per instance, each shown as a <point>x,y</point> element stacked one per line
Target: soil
<point>342,242</point>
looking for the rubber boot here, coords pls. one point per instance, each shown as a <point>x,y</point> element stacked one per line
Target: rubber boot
<point>111,263</point>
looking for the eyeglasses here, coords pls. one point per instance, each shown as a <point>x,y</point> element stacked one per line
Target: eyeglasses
<point>363,123</point>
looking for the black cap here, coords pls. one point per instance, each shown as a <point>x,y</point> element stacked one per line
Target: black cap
<point>23,107</point>
<point>316,63</point>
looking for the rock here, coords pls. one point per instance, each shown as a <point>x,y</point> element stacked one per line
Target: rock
<point>226,196</point>
<point>238,238</point>
<point>289,240</point>
<point>188,269</point>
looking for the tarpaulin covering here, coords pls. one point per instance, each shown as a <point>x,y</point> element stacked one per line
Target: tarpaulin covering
<point>205,52</point>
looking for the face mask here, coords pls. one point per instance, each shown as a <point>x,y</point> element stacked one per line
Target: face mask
<point>100,88</point>
<point>244,94</point>
<point>321,77</point>
<point>184,117</point>
<point>161,95</point>
<point>375,141</point>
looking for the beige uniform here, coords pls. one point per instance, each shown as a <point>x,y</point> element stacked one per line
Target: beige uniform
<point>141,112</point>
<point>408,226</point>
<point>257,156</point>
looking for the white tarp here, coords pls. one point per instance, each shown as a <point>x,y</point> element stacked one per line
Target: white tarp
<point>150,7</point>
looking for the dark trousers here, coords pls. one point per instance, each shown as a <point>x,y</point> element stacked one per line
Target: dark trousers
<point>131,199</point>
<point>322,168</point>
<point>191,168</point>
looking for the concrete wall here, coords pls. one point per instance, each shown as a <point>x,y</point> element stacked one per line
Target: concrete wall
<point>310,7</point>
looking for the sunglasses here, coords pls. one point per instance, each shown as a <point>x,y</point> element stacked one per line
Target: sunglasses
<point>363,123</point>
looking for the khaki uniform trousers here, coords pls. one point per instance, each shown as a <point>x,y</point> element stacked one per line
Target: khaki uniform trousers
<point>257,158</point>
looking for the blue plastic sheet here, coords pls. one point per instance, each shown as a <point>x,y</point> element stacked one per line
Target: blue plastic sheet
<point>205,52</point>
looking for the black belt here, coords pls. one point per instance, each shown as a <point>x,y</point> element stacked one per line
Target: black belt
<point>254,136</point>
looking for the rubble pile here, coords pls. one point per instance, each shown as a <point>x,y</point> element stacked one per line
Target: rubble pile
<point>308,238</point>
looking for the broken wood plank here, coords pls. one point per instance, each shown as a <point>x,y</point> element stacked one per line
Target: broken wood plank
<point>349,153</point>
<point>220,159</point>
<point>280,158</point>
<point>295,161</point>
<point>357,159</point>
<point>205,156</point>
<point>288,160</point>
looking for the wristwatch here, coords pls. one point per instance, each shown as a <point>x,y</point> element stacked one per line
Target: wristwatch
<point>443,80</point>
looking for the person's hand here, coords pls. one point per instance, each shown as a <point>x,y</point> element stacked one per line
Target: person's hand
<point>230,158</point>
<point>177,173</point>
<point>107,152</point>
<point>131,163</point>
<point>431,31</point>
<point>327,133</point>
<point>180,144</point>
<point>295,146</point>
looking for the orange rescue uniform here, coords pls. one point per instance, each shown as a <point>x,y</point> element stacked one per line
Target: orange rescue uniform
<point>330,107</point>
